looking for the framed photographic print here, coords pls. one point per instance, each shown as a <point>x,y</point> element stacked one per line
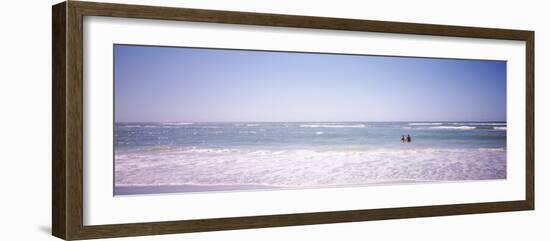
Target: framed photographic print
<point>171,120</point>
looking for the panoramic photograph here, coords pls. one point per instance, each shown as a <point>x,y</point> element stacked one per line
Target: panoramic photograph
<point>190,120</point>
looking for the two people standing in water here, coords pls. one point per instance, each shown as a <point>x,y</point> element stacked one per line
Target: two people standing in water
<point>406,139</point>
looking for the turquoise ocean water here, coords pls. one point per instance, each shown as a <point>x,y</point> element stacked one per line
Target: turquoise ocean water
<point>306,154</point>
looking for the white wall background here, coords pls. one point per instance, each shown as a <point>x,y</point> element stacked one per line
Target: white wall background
<point>25,122</point>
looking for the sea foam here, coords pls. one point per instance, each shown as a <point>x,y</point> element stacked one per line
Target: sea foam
<point>305,168</point>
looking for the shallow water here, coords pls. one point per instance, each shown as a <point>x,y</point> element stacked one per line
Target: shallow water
<point>306,154</point>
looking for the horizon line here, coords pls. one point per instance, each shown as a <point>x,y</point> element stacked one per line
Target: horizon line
<point>420,121</point>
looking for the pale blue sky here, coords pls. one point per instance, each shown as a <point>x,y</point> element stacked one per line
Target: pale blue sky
<point>195,85</point>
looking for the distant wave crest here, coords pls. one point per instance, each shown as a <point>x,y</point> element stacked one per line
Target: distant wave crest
<point>454,127</point>
<point>177,123</point>
<point>458,123</point>
<point>333,126</point>
<point>425,124</point>
<point>132,126</point>
<point>481,123</point>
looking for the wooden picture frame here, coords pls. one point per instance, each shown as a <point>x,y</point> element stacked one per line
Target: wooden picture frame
<point>67,123</point>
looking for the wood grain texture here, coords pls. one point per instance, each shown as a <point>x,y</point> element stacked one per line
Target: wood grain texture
<point>74,121</point>
<point>530,120</point>
<point>121,230</point>
<point>67,78</point>
<point>58,121</point>
<point>280,20</point>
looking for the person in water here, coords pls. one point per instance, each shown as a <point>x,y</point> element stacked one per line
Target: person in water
<point>402,138</point>
<point>408,138</point>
